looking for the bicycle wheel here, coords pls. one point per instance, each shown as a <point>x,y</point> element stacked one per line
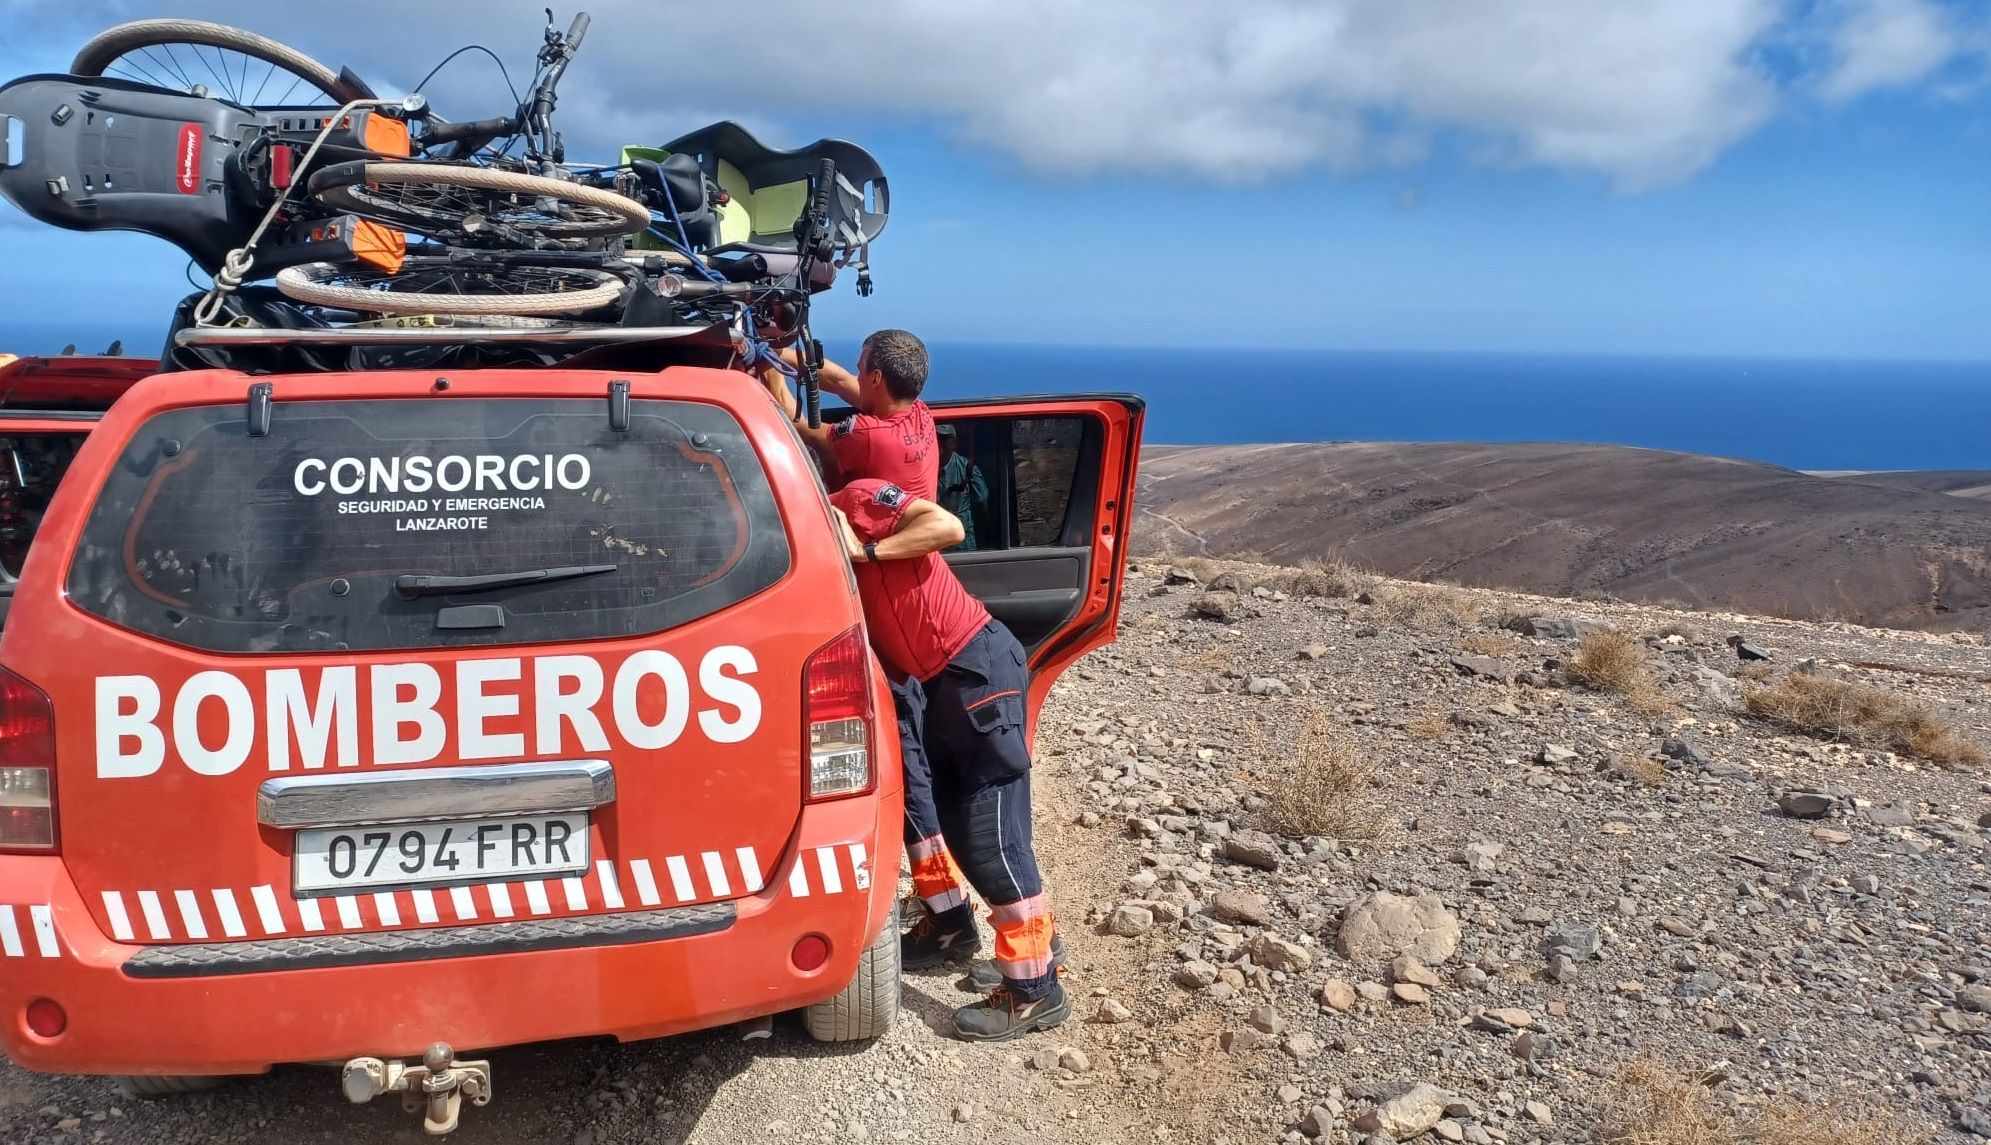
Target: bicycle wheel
<point>213,59</point>
<point>452,200</point>
<point>441,285</point>
<point>430,320</point>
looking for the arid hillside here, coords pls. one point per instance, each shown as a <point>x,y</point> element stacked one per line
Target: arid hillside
<point>1975,483</point>
<point>1591,520</point>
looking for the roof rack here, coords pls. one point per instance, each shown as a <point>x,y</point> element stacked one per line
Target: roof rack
<point>390,336</point>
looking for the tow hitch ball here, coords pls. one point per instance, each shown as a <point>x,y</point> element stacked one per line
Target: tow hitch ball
<point>435,1089</point>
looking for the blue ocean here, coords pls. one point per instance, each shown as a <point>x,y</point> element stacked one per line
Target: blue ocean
<point>1797,413</point>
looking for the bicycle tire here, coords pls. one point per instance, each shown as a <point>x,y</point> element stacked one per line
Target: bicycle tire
<point>413,288</point>
<point>113,44</point>
<point>362,188</point>
<point>438,321</point>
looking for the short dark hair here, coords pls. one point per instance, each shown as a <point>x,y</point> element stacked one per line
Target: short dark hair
<point>901,357</point>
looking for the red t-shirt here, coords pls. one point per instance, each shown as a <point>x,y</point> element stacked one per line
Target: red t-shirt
<point>918,614</point>
<point>899,449</point>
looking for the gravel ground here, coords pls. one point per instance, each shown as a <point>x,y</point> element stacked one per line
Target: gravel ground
<point>1597,886</point>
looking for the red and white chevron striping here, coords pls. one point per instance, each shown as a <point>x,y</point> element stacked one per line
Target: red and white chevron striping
<point>209,914</point>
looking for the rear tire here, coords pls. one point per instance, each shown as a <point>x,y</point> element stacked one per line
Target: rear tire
<point>441,285</point>
<point>103,54</point>
<point>148,1086</point>
<point>867,1007</point>
<point>456,199</point>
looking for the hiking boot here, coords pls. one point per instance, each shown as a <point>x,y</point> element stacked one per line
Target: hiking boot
<point>1002,1015</point>
<point>936,940</point>
<point>984,977</point>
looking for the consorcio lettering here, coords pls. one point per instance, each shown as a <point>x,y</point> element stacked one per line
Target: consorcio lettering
<point>483,472</point>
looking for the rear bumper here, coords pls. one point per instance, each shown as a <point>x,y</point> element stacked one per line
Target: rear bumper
<point>138,1009</point>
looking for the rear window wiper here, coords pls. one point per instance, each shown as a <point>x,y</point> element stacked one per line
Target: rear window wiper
<point>412,585</point>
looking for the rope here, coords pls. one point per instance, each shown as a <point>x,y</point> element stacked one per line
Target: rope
<point>235,268</point>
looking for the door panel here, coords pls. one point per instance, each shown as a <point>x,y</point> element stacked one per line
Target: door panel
<point>1034,592</point>
<point>1045,486</point>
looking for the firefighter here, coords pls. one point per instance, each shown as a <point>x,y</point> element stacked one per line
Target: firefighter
<point>966,681</point>
<point>891,436</point>
<point>891,439</point>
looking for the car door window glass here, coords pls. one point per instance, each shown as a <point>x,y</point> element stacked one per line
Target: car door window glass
<point>1010,480</point>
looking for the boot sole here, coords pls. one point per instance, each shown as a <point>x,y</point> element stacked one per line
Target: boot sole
<point>944,958</point>
<point>977,986</point>
<point>1044,1020</point>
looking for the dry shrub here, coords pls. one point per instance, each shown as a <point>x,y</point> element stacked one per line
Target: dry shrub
<point>1213,659</point>
<point>1425,606</point>
<point>1651,1104</point>
<point>1430,725</point>
<point>1494,643</point>
<point>1836,709</point>
<point>1326,578</point>
<point>1321,786</point>
<point>1646,699</point>
<point>1640,768</point>
<point>1754,670</point>
<point>1685,630</point>
<point>1610,661</point>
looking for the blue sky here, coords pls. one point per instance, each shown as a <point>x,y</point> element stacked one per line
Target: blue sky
<point>1731,177</point>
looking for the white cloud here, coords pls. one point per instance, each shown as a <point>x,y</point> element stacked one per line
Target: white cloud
<point>1642,92</point>
<point>1886,43</point>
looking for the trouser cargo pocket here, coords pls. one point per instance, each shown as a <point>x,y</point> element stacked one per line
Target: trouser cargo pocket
<point>976,716</point>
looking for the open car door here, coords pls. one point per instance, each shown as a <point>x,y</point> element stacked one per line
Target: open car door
<point>1045,486</point>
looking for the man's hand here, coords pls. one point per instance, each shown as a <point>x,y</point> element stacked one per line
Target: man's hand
<point>852,547</point>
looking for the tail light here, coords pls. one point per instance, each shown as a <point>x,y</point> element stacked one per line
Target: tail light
<point>27,766</point>
<point>836,710</point>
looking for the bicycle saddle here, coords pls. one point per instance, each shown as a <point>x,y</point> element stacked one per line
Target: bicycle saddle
<point>679,179</point>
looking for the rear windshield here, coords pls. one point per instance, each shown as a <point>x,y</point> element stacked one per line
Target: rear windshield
<point>306,538</point>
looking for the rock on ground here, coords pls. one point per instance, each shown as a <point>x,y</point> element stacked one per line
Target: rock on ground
<point>1383,925</point>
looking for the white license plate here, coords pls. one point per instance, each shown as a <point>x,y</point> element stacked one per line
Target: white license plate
<point>455,851</point>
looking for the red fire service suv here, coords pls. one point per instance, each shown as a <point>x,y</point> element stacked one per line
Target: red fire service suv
<point>379,717</point>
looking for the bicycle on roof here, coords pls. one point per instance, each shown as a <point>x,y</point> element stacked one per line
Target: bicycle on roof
<point>381,223</point>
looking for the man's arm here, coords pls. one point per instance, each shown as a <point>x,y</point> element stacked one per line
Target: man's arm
<point>818,438</point>
<point>777,384</point>
<point>923,528</point>
<point>831,377</point>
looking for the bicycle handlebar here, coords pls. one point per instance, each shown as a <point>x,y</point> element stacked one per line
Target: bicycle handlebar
<point>484,130</point>
<point>535,112</point>
<point>536,116</point>
<point>679,287</point>
<point>825,178</point>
